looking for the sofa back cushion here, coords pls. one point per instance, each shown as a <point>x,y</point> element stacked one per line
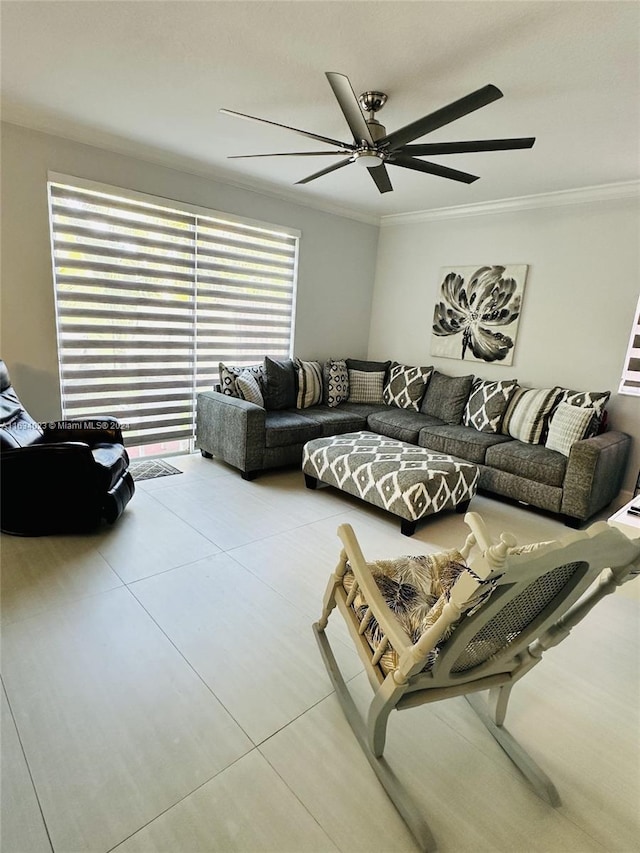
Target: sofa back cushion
<point>528,413</point>
<point>405,385</point>
<point>487,404</point>
<point>446,397</point>
<point>309,383</point>
<point>279,384</point>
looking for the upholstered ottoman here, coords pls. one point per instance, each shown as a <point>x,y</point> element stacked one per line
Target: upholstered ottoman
<point>408,481</point>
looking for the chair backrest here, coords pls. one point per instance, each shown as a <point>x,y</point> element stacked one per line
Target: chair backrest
<point>534,588</point>
<point>17,427</point>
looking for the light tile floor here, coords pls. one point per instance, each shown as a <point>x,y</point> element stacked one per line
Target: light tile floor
<point>162,691</point>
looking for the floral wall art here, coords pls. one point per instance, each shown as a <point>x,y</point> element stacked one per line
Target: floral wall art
<point>477,311</point>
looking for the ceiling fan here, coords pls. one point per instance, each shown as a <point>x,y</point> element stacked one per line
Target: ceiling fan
<point>376,149</point>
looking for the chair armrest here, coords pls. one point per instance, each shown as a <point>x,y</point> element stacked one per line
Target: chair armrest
<point>231,429</point>
<point>90,431</point>
<point>594,475</point>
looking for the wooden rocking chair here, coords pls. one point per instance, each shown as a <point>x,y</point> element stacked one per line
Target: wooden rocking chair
<point>456,628</point>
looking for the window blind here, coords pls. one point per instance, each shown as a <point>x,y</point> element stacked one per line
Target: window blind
<point>630,383</point>
<point>150,299</point>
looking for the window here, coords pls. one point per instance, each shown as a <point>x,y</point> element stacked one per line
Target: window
<point>630,383</point>
<point>149,298</point>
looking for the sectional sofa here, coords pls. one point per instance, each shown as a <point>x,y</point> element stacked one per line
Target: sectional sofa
<point>548,448</point>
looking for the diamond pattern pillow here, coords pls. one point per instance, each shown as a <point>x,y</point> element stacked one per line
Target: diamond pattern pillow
<point>528,413</point>
<point>596,400</point>
<point>365,386</point>
<point>229,374</point>
<point>487,404</point>
<point>568,425</point>
<point>405,386</point>
<point>309,383</point>
<point>336,382</point>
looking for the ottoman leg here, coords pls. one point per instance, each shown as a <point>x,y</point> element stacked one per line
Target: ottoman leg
<point>408,528</point>
<point>463,507</point>
<point>310,482</point>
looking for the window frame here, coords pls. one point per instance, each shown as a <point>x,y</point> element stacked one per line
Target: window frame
<point>204,220</point>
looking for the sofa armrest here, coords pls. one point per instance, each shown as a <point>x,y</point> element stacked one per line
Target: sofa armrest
<point>231,429</point>
<point>594,475</point>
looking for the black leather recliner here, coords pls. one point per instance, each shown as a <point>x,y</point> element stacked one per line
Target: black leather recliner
<point>59,477</point>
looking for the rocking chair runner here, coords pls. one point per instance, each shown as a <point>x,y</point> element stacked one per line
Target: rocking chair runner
<point>456,629</point>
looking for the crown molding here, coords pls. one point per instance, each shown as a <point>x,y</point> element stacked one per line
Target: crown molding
<point>561,198</point>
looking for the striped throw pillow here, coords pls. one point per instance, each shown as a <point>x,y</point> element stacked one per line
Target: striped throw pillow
<point>249,388</point>
<point>568,425</point>
<point>528,412</point>
<point>309,383</point>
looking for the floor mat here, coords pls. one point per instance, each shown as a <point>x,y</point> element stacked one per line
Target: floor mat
<point>148,469</point>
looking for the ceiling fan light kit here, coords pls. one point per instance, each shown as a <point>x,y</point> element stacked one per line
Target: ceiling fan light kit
<point>374,149</point>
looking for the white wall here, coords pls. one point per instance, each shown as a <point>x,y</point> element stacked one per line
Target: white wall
<point>336,263</point>
<point>580,297</point>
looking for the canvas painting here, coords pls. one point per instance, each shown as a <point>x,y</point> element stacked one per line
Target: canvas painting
<point>477,312</point>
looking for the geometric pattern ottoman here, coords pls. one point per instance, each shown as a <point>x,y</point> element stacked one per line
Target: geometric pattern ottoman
<point>408,481</point>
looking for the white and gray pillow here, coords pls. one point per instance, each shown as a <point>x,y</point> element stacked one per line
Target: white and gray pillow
<point>229,375</point>
<point>528,413</point>
<point>568,425</point>
<point>249,388</point>
<point>487,404</point>
<point>595,400</point>
<point>335,378</point>
<point>309,383</point>
<point>405,385</point>
<point>365,386</point>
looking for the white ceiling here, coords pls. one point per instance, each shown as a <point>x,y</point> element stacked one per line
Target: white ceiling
<point>148,79</point>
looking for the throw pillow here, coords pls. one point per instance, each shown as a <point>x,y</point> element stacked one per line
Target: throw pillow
<point>446,397</point>
<point>487,404</point>
<point>568,425</point>
<point>528,413</point>
<point>229,374</point>
<point>335,382</point>
<point>249,388</point>
<point>405,386</point>
<point>365,386</point>
<point>280,384</point>
<point>596,400</point>
<point>309,383</point>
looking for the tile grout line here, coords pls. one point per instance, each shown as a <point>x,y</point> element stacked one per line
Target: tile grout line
<point>26,762</point>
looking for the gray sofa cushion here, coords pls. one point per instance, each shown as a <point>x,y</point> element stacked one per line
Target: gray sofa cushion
<point>446,397</point>
<point>465,442</point>
<point>363,409</point>
<point>531,461</point>
<point>284,428</point>
<point>335,420</point>
<point>401,424</point>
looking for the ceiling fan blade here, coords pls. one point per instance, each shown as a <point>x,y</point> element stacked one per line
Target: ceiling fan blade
<point>433,121</point>
<point>350,107</point>
<point>462,147</point>
<point>431,168</point>
<point>381,178</point>
<point>294,129</point>
<point>289,154</point>
<point>326,171</point>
